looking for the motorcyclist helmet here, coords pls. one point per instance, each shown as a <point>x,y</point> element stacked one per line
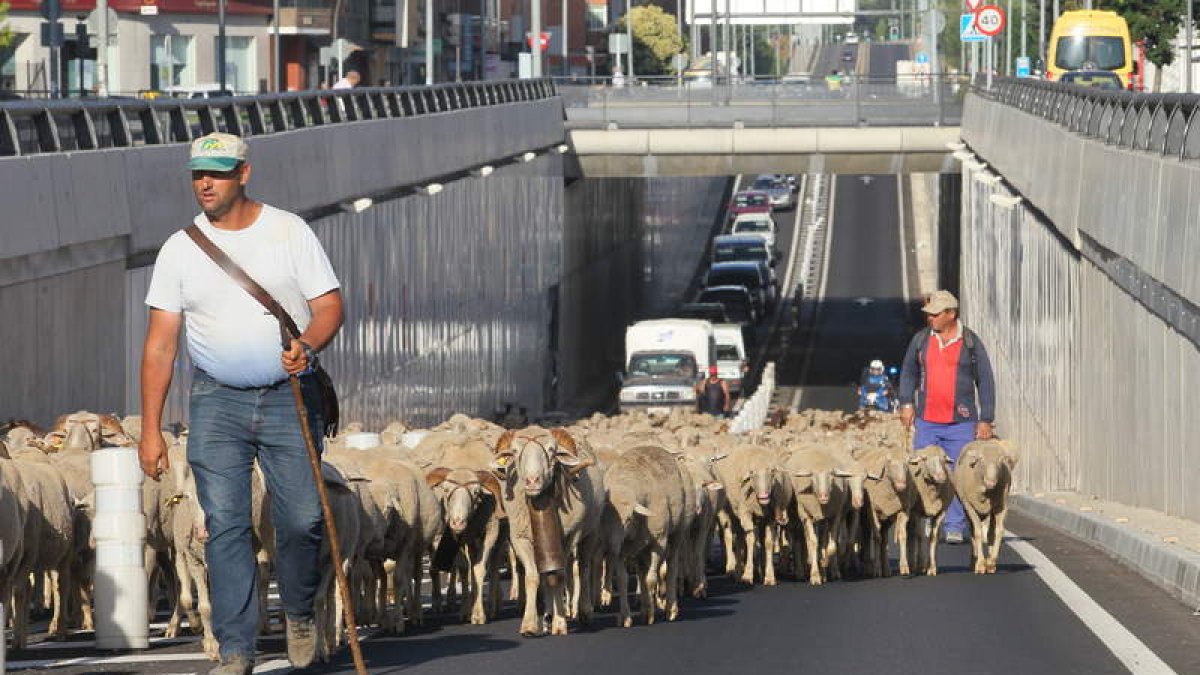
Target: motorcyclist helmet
<point>876,367</point>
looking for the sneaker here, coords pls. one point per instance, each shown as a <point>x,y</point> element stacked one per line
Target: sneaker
<point>234,665</point>
<point>301,642</point>
<point>953,537</point>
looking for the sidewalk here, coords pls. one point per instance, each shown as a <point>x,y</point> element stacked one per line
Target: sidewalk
<point>1162,548</point>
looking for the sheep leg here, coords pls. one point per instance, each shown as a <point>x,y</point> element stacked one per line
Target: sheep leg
<point>934,531</point>
<point>727,538</point>
<point>650,583</point>
<point>402,587</point>
<point>211,648</point>
<point>20,611</point>
<point>55,583</point>
<point>977,535</point>
<point>770,536</point>
<point>617,569</point>
<point>531,621</point>
<point>263,560</point>
<point>514,589</point>
<point>751,541</point>
<point>811,546</point>
<point>833,535</point>
<point>997,539</point>
<point>901,530</point>
<point>673,576</point>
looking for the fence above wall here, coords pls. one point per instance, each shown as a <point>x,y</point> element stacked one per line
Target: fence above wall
<point>49,126</point>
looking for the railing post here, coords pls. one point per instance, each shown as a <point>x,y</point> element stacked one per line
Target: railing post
<point>858,120</point>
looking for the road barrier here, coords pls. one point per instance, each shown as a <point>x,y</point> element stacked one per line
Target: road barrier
<point>754,413</point>
<point>119,528</point>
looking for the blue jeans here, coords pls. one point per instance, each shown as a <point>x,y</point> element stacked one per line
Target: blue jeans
<point>950,437</point>
<point>229,428</point>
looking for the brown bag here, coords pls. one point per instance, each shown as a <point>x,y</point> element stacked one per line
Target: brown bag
<point>288,331</point>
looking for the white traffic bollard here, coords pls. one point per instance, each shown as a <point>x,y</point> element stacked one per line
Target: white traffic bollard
<point>120,532</point>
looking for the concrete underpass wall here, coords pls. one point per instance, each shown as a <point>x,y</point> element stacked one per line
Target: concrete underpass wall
<point>1019,291</point>
<point>631,248</point>
<point>1099,348</point>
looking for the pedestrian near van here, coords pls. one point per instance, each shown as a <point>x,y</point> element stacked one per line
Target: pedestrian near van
<point>241,404</point>
<point>714,394</point>
<point>947,389</point>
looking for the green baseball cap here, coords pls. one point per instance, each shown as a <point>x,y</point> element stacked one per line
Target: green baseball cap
<point>217,152</point>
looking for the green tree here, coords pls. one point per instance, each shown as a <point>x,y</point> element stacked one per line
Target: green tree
<point>6,34</point>
<point>655,39</point>
<point>881,30</point>
<point>1157,23</point>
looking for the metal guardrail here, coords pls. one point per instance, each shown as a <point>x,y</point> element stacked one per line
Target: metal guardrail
<point>66,125</point>
<point>1166,124</point>
<point>792,102</point>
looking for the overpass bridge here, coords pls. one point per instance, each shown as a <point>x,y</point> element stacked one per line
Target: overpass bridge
<point>481,266</point>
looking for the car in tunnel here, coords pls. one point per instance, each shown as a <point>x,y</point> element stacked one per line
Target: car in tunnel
<point>749,202</point>
<point>754,275</point>
<point>735,247</point>
<point>757,224</point>
<point>737,300</point>
<point>777,190</point>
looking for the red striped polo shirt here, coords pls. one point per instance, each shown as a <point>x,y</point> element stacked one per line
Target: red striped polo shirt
<point>941,379</point>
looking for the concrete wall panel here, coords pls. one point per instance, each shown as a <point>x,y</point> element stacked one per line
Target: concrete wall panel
<point>27,192</point>
<point>90,202</point>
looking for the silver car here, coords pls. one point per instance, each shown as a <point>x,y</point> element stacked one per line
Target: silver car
<point>778,191</point>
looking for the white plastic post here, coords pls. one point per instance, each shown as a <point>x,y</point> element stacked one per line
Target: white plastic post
<point>120,533</point>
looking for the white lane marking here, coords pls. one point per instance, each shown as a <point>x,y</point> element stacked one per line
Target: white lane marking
<point>105,660</point>
<point>1124,645</point>
<point>273,665</point>
<point>820,298</point>
<point>903,243</point>
<point>90,644</point>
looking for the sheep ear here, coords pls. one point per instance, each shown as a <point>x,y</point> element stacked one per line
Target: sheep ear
<point>578,467</point>
<point>500,462</point>
<point>437,476</point>
<point>565,441</point>
<point>504,442</point>
<point>644,510</point>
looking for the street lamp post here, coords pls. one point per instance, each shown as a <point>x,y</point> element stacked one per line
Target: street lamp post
<point>221,43</point>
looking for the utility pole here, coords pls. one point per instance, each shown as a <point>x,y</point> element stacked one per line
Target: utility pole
<point>535,27</point>
<point>221,44</point>
<point>629,39</point>
<point>102,50</point>
<point>1042,34</point>
<point>566,49</point>
<point>1188,29</point>
<point>1008,52</point>
<point>428,42</point>
<point>274,44</point>
<point>935,72</point>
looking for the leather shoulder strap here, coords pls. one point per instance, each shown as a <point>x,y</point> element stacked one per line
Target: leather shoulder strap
<point>286,324</point>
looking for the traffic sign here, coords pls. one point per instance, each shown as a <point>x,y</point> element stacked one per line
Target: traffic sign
<point>94,21</point>
<point>974,5</point>
<point>618,43</point>
<point>543,41</point>
<point>922,57</point>
<point>968,31</point>
<point>1024,67</point>
<point>52,34</point>
<point>990,20</point>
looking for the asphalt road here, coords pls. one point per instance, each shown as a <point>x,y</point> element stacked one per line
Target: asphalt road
<point>862,314</point>
<point>956,623</point>
<point>883,59</point>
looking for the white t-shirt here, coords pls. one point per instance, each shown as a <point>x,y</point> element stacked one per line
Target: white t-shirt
<point>229,334</point>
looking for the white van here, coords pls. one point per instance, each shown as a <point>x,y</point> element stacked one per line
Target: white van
<point>731,355</point>
<point>664,358</point>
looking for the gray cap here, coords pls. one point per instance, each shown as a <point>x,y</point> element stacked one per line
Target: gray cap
<point>940,301</point>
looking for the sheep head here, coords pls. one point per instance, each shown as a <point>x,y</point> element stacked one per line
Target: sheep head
<point>461,492</point>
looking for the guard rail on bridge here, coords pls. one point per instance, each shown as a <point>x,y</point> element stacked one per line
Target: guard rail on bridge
<point>49,126</point>
<point>852,101</point>
<point>1166,124</point>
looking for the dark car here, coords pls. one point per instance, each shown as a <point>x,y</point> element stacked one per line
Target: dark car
<point>731,247</point>
<point>713,312</point>
<point>1098,79</point>
<point>737,300</point>
<point>848,55</point>
<point>754,275</point>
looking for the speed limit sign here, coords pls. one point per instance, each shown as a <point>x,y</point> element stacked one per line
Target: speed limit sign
<point>990,20</point>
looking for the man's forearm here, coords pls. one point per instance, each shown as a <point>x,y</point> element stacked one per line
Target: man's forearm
<point>326,320</point>
<point>157,371</point>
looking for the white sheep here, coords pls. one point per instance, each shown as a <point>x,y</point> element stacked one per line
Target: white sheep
<point>982,478</point>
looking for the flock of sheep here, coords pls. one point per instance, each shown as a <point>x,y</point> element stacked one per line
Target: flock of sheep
<point>571,512</point>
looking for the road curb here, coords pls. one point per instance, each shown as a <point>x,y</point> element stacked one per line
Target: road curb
<point>1170,567</point>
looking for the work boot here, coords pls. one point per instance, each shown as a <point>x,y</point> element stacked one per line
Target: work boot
<point>301,642</point>
<point>234,665</point>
